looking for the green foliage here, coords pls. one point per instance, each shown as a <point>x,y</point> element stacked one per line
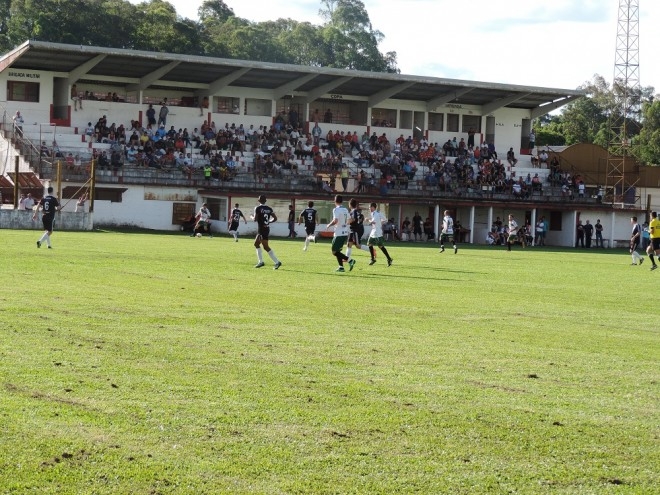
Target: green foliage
<point>649,144</point>
<point>347,40</point>
<point>549,136</point>
<point>136,363</point>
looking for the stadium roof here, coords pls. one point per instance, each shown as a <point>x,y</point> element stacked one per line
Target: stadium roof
<point>143,69</point>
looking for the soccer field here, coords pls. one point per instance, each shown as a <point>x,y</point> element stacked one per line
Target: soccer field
<point>164,364</point>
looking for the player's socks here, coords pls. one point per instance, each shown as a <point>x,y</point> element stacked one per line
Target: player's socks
<point>348,252</point>
<point>271,253</point>
<point>43,237</point>
<point>260,255</point>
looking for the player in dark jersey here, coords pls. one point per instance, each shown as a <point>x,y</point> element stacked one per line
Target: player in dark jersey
<point>235,220</point>
<point>309,215</point>
<point>356,227</point>
<point>49,205</point>
<point>264,215</point>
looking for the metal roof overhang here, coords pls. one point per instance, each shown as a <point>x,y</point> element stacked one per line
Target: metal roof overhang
<point>196,72</point>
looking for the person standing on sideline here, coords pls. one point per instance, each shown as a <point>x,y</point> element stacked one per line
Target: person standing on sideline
<point>513,232</point>
<point>235,221</point>
<point>29,202</point>
<point>292,222</point>
<point>264,216</point>
<point>18,122</point>
<point>340,220</point>
<point>310,216</point>
<point>654,234</point>
<point>579,240</point>
<point>598,227</point>
<point>356,228</point>
<point>635,237</point>
<point>376,235</point>
<point>532,140</point>
<point>49,205</point>
<point>80,204</point>
<point>588,234</point>
<point>21,203</point>
<point>447,232</point>
<point>417,226</point>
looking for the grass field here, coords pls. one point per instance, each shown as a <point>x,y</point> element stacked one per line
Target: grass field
<point>159,364</point>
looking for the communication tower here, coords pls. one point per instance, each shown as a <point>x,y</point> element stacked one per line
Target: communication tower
<point>626,109</point>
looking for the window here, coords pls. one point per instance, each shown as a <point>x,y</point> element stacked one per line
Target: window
<point>436,121</point>
<point>471,122</point>
<point>227,105</point>
<point>108,194</point>
<point>181,212</point>
<point>452,122</point>
<point>258,107</point>
<point>23,91</point>
<point>383,117</point>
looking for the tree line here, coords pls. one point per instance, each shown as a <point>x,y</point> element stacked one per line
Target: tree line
<point>346,39</point>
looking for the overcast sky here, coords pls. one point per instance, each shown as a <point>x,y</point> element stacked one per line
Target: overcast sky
<point>556,43</point>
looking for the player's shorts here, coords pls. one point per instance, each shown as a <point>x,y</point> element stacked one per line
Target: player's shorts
<point>655,242</point>
<point>376,241</point>
<point>446,237</point>
<point>354,238</point>
<point>48,221</point>
<point>309,229</point>
<point>233,227</point>
<point>512,238</point>
<point>634,245</point>
<point>263,233</point>
<point>338,243</point>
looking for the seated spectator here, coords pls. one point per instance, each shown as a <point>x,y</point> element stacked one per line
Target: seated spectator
<point>511,157</point>
<point>428,229</point>
<point>406,229</point>
<point>543,158</point>
<point>491,238</point>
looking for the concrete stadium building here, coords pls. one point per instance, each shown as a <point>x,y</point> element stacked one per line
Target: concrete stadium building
<point>37,78</point>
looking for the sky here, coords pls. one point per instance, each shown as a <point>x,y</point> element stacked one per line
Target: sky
<point>552,44</point>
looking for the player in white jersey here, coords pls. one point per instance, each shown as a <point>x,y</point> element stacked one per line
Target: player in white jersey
<point>340,220</point>
<point>376,235</point>
<point>447,232</point>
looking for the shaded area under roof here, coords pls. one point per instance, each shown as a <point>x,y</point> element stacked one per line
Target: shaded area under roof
<point>193,71</point>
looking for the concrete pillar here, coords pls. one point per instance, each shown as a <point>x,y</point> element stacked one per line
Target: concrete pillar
<point>436,221</point>
<point>534,227</point>
<point>471,239</point>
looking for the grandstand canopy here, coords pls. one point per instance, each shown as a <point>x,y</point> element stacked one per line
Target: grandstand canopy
<point>150,69</point>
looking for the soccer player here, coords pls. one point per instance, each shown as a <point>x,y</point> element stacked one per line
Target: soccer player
<point>310,216</point>
<point>235,221</point>
<point>513,232</point>
<point>49,205</point>
<point>635,237</point>
<point>356,226</point>
<point>264,215</point>
<point>447,232</point>
<point>654,233</point>
<point>203,221</point>
<point>340,218</point>
<point>376,235</point>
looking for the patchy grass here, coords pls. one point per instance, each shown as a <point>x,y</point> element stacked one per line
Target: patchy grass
<point>158,364</point>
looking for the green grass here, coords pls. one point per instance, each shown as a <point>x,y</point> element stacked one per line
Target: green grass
<point>158,364</point>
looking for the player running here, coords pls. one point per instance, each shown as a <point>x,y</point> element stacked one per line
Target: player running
<point>310,216</point>
<point>235,221</point>
<point>376,235</point>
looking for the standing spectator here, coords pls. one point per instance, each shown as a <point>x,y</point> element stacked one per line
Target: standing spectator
<point>162,114</point>
<point>579,241</point>
<point>376,235</point>
<point>29,202</point>
<point>316,133</point>
<point>470,141</point>
<point>540,229</point>
<point>21,202</point>
<point>292,222</point>
<point>18,122</point>
<point>80,204</point>
<point>599,233</point>
<point>77,102</point>
<point>532,140</point>
<point>235,221</point>
<point>447,232</point>
<point>417,225</point>
<point>151,115</point>
<point>327,118</point>
<point>344,174</point>
<point>513,232</point>
<point>654,234</point>
<point>646,239</point>
<point>635,237</point>
<point>588,234</point>
<point>264,216</point>
<point>310,216</point>
<point>49,205</point>
<point>340,218</point>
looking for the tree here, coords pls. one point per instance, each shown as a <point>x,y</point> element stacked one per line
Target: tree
<point>649,138</point>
